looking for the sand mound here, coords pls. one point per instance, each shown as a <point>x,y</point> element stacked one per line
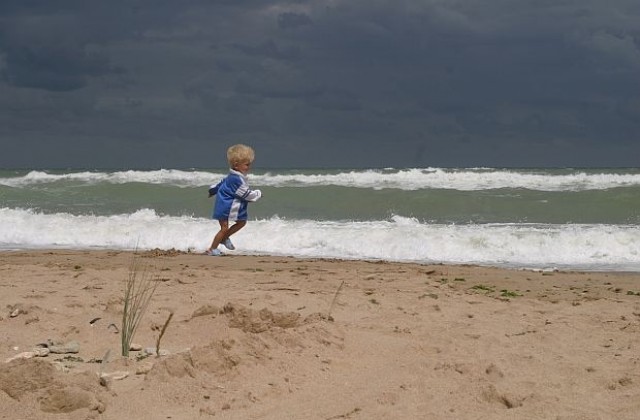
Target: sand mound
<point>261,335</point>
<point>69,398</point>
<point>206,310</point>
<point>56,392</point>
<point>252,321</point>
<point>175,366</point>
<point>25,375</point>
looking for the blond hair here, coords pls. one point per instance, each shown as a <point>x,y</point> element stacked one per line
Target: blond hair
<point>240,153</point>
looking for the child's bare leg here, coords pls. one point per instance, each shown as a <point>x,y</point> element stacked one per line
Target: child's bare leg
<point>233,229</point>
<point>221,235</point>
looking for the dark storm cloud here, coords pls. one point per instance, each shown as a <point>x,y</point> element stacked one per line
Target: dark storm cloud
<point>320,83</point>
<point>290,20</point>
<point>53,68</point>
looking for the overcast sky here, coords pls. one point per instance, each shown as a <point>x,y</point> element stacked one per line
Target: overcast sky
<point>333,83</point>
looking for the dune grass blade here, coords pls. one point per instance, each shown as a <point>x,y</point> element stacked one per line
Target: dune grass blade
<point>164,328</point>
<point>333,302</point>
<point>138,291</point>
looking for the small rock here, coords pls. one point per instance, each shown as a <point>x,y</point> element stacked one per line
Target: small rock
<point>41,351</point>
<point>23,355</point>
<point>36,352</point>
<point>151,351</point>
<point>117,375</point>
<point>70,347</point>
<point>135,347</point>
<point>107,378</point>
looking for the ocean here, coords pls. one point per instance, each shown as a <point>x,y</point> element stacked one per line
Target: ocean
<point>583,219</point>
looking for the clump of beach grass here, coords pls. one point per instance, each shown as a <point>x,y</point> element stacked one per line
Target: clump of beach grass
<point>509,293</point>
<point>483,288</point>
<point>139,288</point>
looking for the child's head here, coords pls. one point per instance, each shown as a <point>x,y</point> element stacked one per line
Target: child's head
<point>240,154</point>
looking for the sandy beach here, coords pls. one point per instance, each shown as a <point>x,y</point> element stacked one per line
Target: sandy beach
<point>254,337</point>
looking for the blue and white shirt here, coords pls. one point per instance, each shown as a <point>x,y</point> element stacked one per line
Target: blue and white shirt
<point>232,197</point>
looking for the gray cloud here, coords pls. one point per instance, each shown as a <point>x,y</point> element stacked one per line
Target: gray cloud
<point>292,20</point>
<point>388,83</point>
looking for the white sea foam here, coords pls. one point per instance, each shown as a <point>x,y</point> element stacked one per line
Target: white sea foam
<point>399,239</point>
<point>162,176</point>
<point>407,179</point>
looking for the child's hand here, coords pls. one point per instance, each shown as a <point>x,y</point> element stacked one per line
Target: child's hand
<point>254,195</point>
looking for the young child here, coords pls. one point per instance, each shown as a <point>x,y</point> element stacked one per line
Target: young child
<point>232,197</point>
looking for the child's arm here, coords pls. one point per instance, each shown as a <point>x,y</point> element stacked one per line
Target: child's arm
<point>213,189</point>
<point>253,195</point>
<point>244,193</point>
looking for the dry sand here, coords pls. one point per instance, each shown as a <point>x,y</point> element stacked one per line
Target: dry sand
<point>281,338</point>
